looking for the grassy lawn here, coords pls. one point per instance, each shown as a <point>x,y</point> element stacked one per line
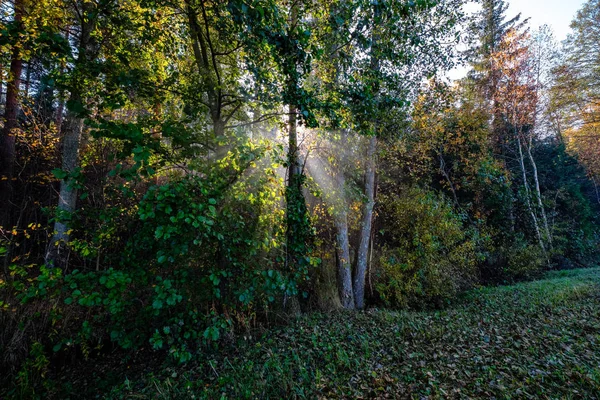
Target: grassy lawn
<point>532,340</point>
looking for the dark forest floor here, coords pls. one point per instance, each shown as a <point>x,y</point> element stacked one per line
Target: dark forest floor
<point>531,340</point>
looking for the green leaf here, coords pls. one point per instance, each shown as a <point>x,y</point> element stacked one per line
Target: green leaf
<point>59,173</point>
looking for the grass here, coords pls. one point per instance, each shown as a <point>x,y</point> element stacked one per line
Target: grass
<point>531,340</point>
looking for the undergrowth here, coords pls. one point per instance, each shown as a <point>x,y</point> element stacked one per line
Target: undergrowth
<point>531,340</point>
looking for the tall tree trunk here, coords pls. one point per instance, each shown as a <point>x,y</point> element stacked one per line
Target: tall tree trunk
<point>1,80</point>
<point>297,222</point>
<point>340,214</point>
<point>7,136</point>
<point>60,110</point>
<point>344,265</point>
<point>67,199</point>
<point>296,211</point>
<point>27,79</point>
<point>365,227</point>
<point>294,186</point>
<point>539,195</point>
<point>447,177</point>
<point>511,214</point>
<point>362,252</point>
<point>57,252</point>
<point>528,195</point>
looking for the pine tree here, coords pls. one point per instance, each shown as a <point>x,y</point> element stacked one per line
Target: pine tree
<point>489,29</point>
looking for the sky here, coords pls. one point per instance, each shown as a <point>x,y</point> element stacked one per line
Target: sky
<point>558,14</point>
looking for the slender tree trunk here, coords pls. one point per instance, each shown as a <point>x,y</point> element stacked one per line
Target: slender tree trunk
<point>447,177</point>
<point>362,252</point>
<point>529,146</point>
<point>294,168</point>
<point>297,223</point>
<point>340,216</point>
<point>365,227</point>
<point>1,80</point>
<point>539,195</point>
<point>528,195</point>
<point>72,129</point>
<point>67,199</point>
<point>60,110</point>
<point>7,135</point>
<point>27,79</point>
<point>344,265</point>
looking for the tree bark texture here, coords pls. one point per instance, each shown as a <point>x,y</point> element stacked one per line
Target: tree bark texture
<point>72,130</point>
<point>539,196</point>
<point>528,195</point>
<point>344,264</point>
<point>366,224</point>
<point>7,135</point>
<point>67,199</point>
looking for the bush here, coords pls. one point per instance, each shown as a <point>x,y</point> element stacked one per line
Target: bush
<point>206,258</point>
<point>524,261</point>
<point>429,256</point>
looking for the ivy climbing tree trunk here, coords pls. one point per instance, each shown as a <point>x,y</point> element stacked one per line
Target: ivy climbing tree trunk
<point>7,135</point>
<point>297,213</point>
<point>297,221</point>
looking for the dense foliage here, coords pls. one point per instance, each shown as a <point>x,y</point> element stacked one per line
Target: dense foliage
<point>175,174</point>
<point>533,339</point>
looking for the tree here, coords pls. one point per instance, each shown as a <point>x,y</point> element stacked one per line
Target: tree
<point>103,54</point>
<point>7,134</point>
<point>489,28</point>
<point>516,101</point>
<point>87,52</point>
<point>405,42</point>
<point>583,56</point>
<point>575,93</point>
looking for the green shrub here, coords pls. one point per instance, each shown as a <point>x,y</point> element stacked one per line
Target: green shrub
<point>524,261</point>
<point>429,256</point>
<point>207,256</point>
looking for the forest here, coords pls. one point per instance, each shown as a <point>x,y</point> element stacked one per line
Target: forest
<point>294,199</point>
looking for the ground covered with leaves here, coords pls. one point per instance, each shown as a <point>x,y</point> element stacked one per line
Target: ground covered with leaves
<point>531,340</point>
